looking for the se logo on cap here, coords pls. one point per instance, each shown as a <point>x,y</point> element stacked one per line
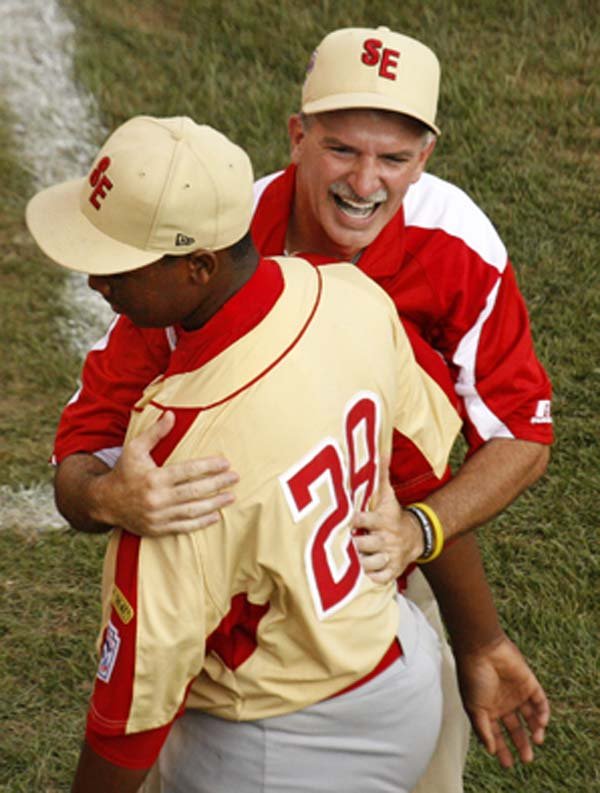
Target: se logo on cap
<point>100,182</point>
<point>387,59</point>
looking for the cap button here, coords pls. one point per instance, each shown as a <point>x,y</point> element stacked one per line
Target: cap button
<point>383,28</point>
<point>177,133</point>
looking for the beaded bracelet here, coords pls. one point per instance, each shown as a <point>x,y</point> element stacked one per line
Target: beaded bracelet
<point>427,530</point>
<point>433,533</point>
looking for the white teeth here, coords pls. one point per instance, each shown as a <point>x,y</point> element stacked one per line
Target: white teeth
<point>354,209</point>
<point>357,205</point>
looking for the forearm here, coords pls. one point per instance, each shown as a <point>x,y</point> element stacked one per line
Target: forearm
<point>140,496</point>
<point>487,483</point>
<point>78,483</point>
<point>458,581</point>
<point>96,775</point>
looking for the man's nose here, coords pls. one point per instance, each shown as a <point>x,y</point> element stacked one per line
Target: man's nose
<point>365,177</point>
<point>99,284</point>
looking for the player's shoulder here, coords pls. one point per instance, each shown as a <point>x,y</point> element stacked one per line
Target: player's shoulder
<point>348,283</point>
<point>260,185</point>
<point>342,282</point>
<point>440,206</point>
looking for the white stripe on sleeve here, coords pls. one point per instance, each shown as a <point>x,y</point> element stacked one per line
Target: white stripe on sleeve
<point>486,422</point>
<point>433,203</point>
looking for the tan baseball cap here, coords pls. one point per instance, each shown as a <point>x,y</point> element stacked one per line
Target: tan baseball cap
<point>158,186</point>
<point>373,68</point>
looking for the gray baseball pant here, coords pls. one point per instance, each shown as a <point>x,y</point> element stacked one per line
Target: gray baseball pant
<point>377,738</point>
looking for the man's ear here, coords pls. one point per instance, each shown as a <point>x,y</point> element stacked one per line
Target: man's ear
<point>296,135</point>
<point>424,155</point>
<point>202,266</point>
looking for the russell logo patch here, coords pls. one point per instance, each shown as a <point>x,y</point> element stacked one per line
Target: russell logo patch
<point>109,653</point>
<point>542,413</point>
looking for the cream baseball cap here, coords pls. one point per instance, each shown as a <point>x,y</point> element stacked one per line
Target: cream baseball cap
<point>373,68</point>
<point>158,186</point>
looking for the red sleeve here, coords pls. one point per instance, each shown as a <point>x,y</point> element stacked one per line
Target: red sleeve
<point>483,331</point>
<point>411,475</point>
<point>115,373</point>
<point>114,687</point>
<point>509,381</point>
<point>466,303</point>
<point>137,750</point>
<point>126,724</point>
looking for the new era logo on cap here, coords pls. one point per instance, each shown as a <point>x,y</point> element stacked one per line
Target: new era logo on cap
<point>183,239</point>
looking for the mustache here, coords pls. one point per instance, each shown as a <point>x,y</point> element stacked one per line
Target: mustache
<point>344,191</point>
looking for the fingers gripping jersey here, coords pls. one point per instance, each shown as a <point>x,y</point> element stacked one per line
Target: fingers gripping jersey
<point>269,611</point>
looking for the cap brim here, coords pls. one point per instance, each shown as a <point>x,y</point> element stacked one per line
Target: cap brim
<point>66,236</point>
<point>366,101</point>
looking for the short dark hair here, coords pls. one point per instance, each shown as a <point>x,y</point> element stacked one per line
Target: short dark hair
<point>240,249</point>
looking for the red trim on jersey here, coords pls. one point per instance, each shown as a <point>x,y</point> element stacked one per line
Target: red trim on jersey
<point>237,317</point>
<point>392,654</point>
<point>111,700</point>
<point>137,750</point>
<point>234,639</point>
<point>266,370</point>
<point>129,358</point>
<point>140,750</point>
<point>402,580</point>
<point>184,418</point>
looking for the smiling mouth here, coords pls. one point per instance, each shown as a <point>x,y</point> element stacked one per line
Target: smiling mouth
<point>356,209</point>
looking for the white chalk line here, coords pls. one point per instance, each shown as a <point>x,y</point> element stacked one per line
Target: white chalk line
<point>58,132</point>
<point>29,508</point>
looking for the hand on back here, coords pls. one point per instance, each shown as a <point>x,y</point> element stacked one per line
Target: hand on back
<point>151,501</point>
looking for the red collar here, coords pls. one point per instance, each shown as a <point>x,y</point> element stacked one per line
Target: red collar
<point>269,225</point>
<point>242,312</point>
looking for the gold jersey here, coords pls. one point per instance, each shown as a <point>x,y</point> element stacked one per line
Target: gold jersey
<point>269,611</point>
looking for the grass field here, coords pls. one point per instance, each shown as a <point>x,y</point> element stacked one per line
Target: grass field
<point>520,114</point>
